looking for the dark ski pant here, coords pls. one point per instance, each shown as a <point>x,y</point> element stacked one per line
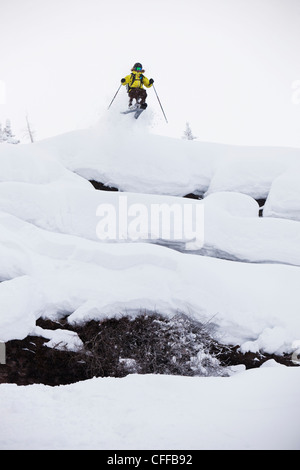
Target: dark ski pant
<point>139,94</point>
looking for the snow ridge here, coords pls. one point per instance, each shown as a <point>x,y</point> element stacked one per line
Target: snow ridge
<point>50,248</point>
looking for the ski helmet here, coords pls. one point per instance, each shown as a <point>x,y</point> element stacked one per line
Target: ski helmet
<point>137,67</point>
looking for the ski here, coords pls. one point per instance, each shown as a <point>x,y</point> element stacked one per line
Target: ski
<point>138,113</point>
<point>137,110</point>
<point>130,110</point>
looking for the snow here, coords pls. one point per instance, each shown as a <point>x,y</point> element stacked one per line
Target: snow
<point>134,160</point>
<point>284,196</point>
<point>242,274</point>
<point>231,223</point>
<point>60,339</point>
<point>252,410</point>
<point>67,275</point>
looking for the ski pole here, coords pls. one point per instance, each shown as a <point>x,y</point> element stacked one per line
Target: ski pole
<point>114,96</point>
<point>160,104</point>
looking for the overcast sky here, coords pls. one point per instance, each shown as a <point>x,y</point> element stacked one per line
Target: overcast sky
<point>226,66</point>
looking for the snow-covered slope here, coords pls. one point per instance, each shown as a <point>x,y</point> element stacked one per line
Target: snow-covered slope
<point>232,226</point>
<point>52,274</point>
<point>244,276</point>
<point>284,196</point>
<point>257,409</point>
<point>52,256</point>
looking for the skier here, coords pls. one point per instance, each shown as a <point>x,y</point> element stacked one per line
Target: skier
<point>135,90</point>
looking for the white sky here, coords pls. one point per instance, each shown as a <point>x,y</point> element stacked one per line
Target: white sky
<point>226,66</point>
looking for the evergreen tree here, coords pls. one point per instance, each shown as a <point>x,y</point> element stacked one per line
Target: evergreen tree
<point>188,135</point>
<point>6,134</point>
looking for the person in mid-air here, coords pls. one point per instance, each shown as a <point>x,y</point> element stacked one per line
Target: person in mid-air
<point>135,82</point>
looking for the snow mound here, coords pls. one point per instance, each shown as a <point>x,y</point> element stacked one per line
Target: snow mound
<point>232,228</point>
<point>284,196</point>
<point>129,157</point>
<point>64,275</point>
<point>32,164</point>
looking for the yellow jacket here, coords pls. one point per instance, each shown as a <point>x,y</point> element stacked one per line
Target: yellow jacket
<point>136,80</point>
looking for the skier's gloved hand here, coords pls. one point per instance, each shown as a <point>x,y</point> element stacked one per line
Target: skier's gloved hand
<point>123,80</point>
<point>151,81</point>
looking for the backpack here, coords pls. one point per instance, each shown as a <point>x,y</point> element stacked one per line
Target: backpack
<point>135,78</point>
